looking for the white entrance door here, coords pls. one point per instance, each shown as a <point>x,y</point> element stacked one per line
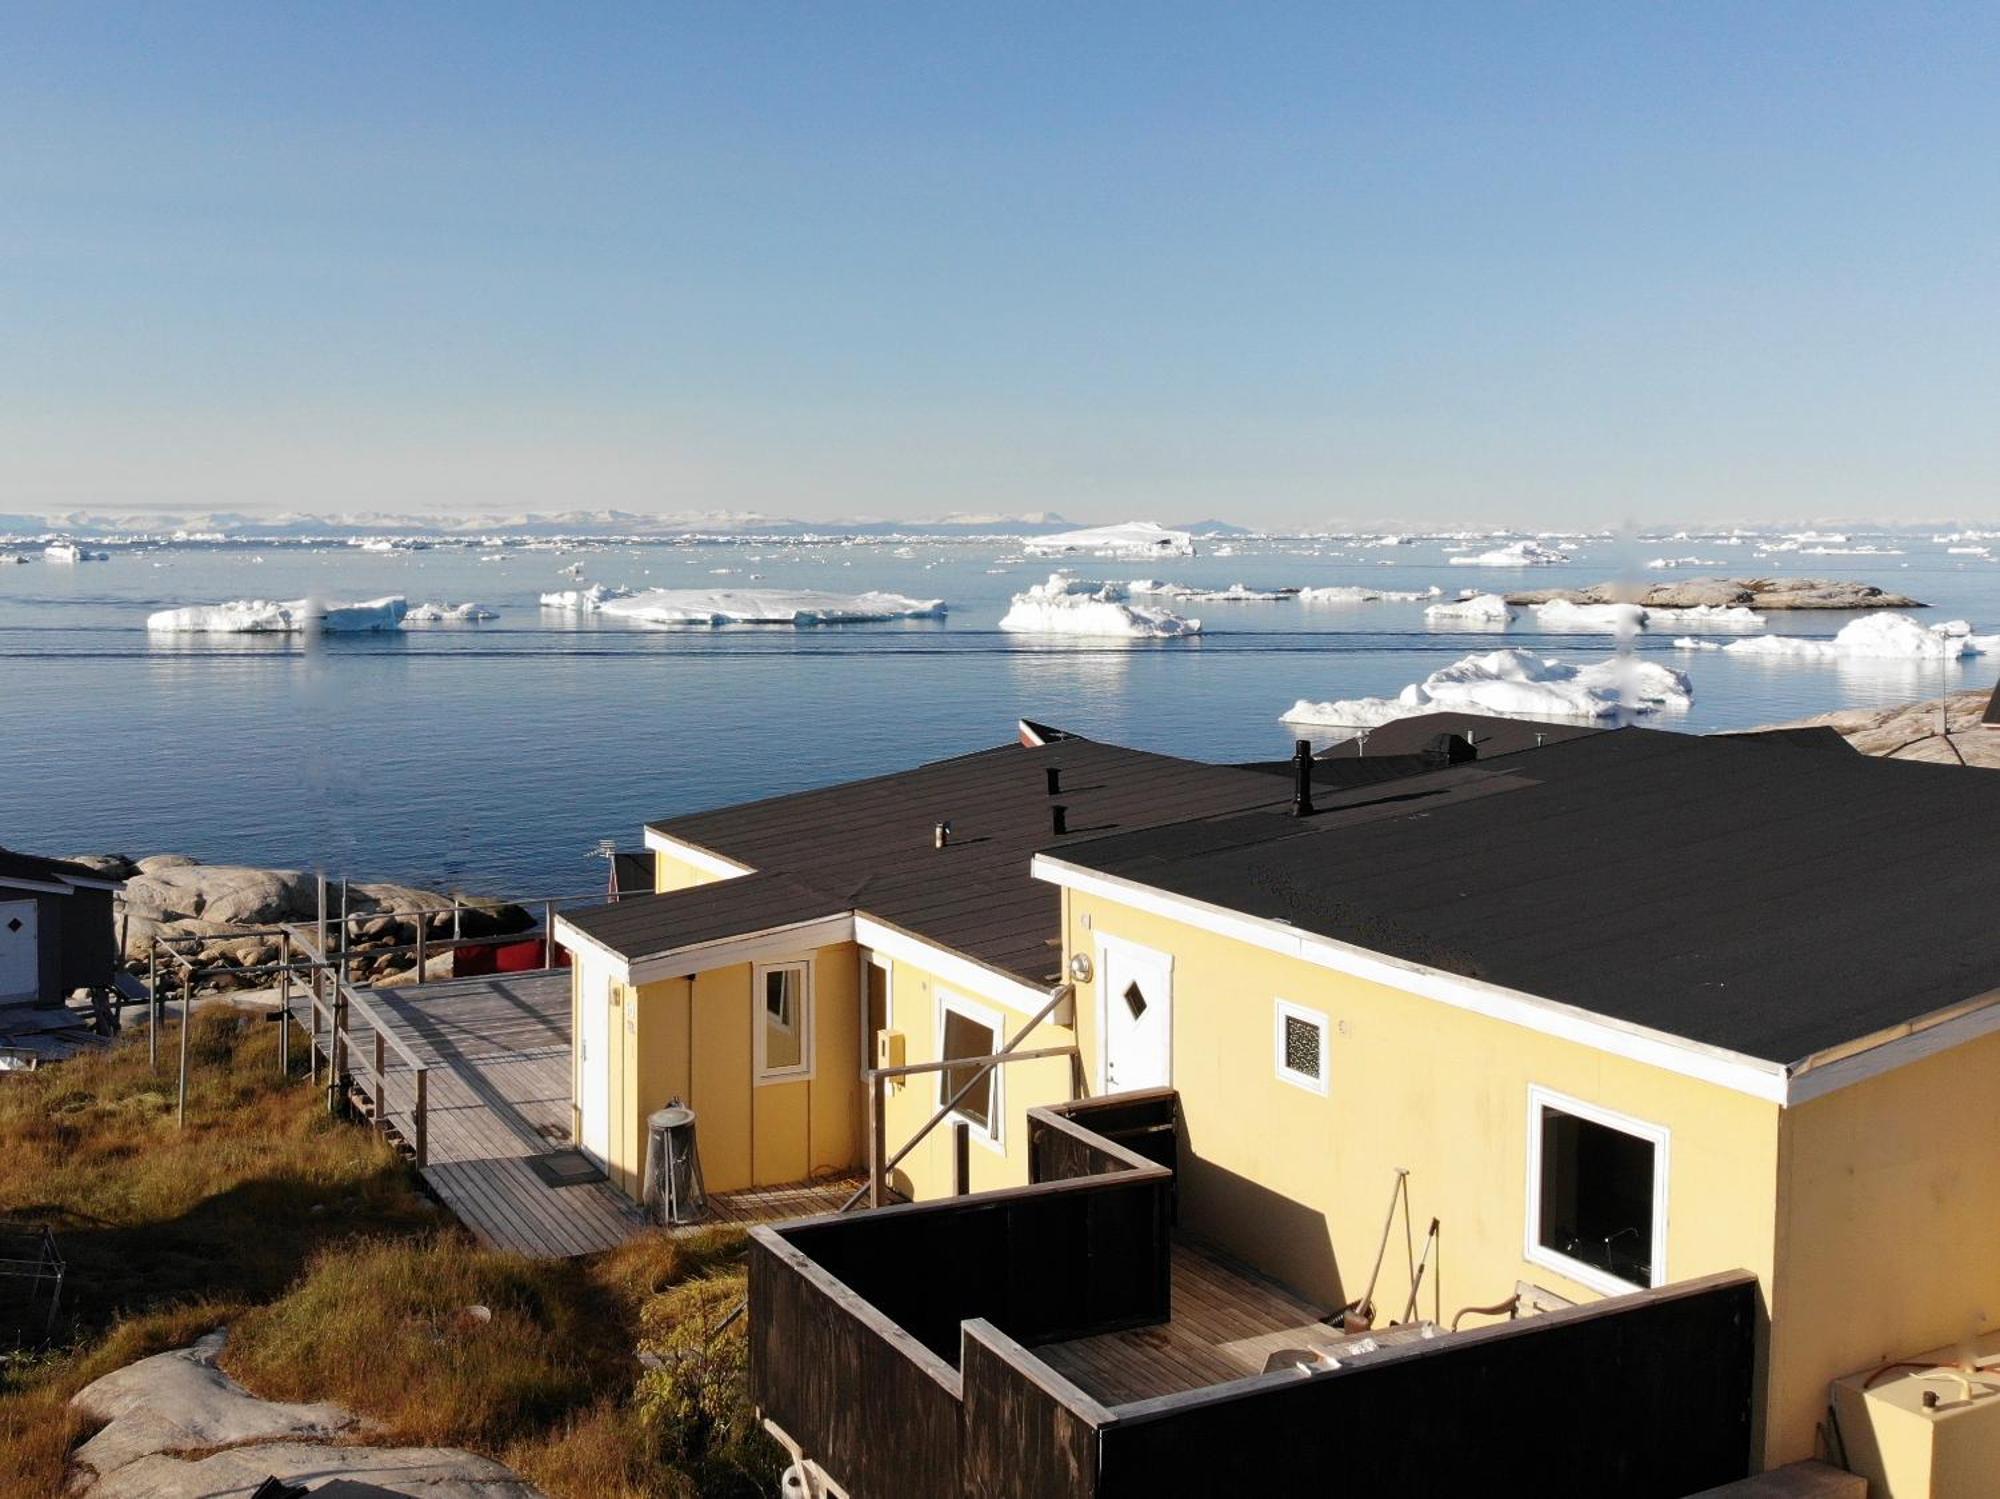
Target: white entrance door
<point>593,1069</point>
<point>20,952</point>
<point>1136,1011</point>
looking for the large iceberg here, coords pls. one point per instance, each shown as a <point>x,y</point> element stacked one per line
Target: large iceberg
<point>1883,637</point>
<point>585,600</point>
<point>1072,606</point>
<point>1137,538</point>
<point>1515,554</point>
<point>1622,619</point>
<point>1516,684</point>
<point>1480,609</point>
<point>269,617</point>
<point>714,607</point>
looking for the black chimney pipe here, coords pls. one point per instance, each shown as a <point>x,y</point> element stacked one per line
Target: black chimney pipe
<point>1059,817</point>
<point>1054,773</point>
<point>1302,778</point>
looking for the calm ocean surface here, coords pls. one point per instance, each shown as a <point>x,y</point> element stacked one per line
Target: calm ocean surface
<point>495,756</point>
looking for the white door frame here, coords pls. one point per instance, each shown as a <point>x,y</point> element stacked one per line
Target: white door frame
<point>1106,945</point>
<point>28,913</point>
<point>593,1072</point>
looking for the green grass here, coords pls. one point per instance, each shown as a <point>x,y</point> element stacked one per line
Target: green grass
<point>341,1281</point>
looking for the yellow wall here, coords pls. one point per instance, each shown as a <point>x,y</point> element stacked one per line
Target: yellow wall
<point>1888,1222</point>
<point>928,1170</point>
<point>694,1039</point>
<point>673,873</point>
<point>1297,1183</point>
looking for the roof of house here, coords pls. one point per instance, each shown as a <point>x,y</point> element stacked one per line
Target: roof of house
<point>869,846</point>
<point>1771,900</point>
<point>1489,735</point>
<point>33,869</point>
<point>1804,736</point>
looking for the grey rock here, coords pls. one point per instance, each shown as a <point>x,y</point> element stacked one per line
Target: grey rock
<point>1754,593</point>
<point>328,1472</point>
<point>154,862</point>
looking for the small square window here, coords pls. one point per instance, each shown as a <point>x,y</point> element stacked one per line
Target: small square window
<point>1299,1047</point>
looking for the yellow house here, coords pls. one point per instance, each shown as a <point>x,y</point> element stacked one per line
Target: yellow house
<point>793,943</point>
<point>1628,1010</point>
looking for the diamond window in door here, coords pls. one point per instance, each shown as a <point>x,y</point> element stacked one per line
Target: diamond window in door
<point>14,925</point>
<point>1135,999</point>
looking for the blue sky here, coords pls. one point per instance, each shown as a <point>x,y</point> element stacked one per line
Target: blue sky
<point>1317,263</point>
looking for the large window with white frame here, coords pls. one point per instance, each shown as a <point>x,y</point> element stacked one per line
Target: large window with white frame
<point>1597,1194</point>
<point>966,1030</point>
<point>1299,1046</point>
<point>783,1021</point>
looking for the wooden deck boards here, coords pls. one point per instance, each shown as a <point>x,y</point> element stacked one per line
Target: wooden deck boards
<point>498,1050</point>
<point>1226,1321</point>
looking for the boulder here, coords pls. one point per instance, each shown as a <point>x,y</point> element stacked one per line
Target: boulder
<point>1721,593</point>
<point>346,1472</point>
<point>111,866</point>
<point>180,1402</point>
<point>154,862</point>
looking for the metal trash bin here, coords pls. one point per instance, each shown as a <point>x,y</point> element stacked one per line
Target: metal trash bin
<point>673,1167</point>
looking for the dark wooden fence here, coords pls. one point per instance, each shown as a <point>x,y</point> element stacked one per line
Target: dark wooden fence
<point>1641,1395</point>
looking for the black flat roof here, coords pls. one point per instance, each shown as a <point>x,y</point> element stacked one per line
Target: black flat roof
<point>1489,735</point>
<point>38,870</point>
<point>869,846</point>
<point>1766,898</point>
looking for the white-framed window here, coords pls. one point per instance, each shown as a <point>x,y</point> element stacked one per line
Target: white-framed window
<point>878,1003</point>
<point>1597,1194</point>
<point>966,1029</point>
<point>1301,1046</point>
<point>782,997</point>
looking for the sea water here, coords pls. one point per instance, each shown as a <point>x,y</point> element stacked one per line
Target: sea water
<point>497,755</point>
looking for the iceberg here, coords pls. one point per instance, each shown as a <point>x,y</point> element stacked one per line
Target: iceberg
<point>1561,614</point>
<point>1516,684</point>
<point>715,607</point>
<point>585,600</point>
<point>268,617</point>
<point>1480,609</point>
<point>1071,606</point>
<point>1235,593</point>
<point>1138,538</point>
<point>1344,593</point>
<point>69,551</point>
<point>449,614</point>
<point>1880,637</point>
<point>1515,554</point>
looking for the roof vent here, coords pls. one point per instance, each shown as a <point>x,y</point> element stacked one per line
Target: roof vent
<point>941,835</point>
<point>1054,773</point>
<point>1302,778</point>
<point>1449,749</point>
<point>1059,818</point>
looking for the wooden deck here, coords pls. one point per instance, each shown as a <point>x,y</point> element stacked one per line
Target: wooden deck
<point>499,1053</point>
<point>1226,1321</point>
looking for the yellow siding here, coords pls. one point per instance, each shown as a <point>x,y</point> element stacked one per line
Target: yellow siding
<point>695,1040</point>
<point>927,1172</point>
<point>1297,1183</point>
<point>672,873</point>
<point>1888,1221</point>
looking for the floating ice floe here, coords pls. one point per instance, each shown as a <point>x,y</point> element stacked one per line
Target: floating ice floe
<point>69,551</point>
<point>1072,606</point>
<point>1670,562</point>
<point>7,557</point>
<point>1561,614</point>
<point>271,617</point>
<point>1689,643</point>
<point>1138,538</point>
<point>1235,593</point>
<point>1887,637</point>
<point>715,607</point>
<point>1516,684</point>
<point>449,614</point>
<point>1515,554</point>
<point>1344,593</point>
<point>1479,609</point>
<point>585,600</point>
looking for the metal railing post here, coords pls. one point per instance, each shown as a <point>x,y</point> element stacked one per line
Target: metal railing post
<point>381,1082</point>
<point>153,1006</point>
<point>421,1122</point>
<point>285,1005</point>
<point>548,934</point>
<point>187,1020</point>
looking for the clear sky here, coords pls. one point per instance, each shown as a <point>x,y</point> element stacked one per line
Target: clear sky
<point>1276,263</point>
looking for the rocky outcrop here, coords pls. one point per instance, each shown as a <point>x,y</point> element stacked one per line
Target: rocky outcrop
<point>1754,593</point>
<point>165,1416</point>
<point>226,906</point>
<point>1912,731</point>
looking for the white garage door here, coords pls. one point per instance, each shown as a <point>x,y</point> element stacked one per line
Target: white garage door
<point>20,953</point>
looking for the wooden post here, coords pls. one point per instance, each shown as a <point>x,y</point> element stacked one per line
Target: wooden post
<point>153,1005</point>
<point>877,1140</point>
<point>548,934</point>
<point>336,1057</point>
<point>421,1124</point>
<point>961,1158</point>
<point>381,1084</point>
<point>187,1017</point>
<point>423,932</point>
<point>344,974</point>
<point>322,925</point>
<point>285,1004</point>
<point>314,1004</point>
